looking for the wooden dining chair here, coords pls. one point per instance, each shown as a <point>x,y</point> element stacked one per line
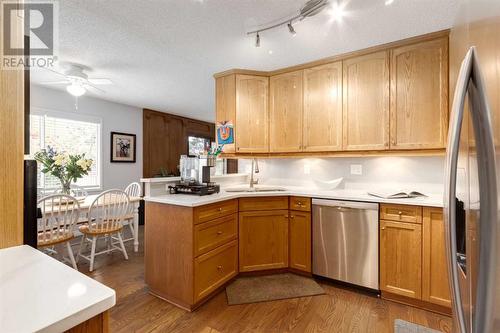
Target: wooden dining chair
<point>105,216</point>
<point>59,214</point>
<point>133,190</point>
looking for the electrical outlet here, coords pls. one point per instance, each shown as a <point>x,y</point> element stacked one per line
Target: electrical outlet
<point>356,169</point>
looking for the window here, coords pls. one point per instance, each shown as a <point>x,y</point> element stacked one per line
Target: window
<point>74,134</point>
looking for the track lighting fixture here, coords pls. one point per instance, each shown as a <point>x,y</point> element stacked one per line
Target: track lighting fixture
<point>310,8</point>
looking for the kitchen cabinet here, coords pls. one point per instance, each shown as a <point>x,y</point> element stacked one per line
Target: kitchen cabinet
<point>263,240</point>
<point>419,95</point>
<point>366,102</point>
<point>401,258</point>
<point>189,253</point>
<point>166,139</point>
<point>285,112</point>
<point>300,241</point>
<point>322,127</point>
<point>252,114</point>
<point>413,266</point>
<point>225,104</point>
<point>435,286</point>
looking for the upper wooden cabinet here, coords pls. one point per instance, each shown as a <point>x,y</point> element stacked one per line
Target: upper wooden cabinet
<point>285,112</point>
<point>252,114</point>
<point>225,103</point>
<point>419,95</point>
<point>366,102</point>
<point>391,97</point>
<point>322,128</point>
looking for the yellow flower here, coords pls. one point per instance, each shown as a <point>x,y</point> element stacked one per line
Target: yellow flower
<point>61,159</point>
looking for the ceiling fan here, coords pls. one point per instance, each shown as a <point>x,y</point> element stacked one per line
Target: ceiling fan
<point>76,80</point>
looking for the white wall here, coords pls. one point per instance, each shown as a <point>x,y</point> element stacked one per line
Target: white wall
<point>115,118</point>
<point>420,173</point>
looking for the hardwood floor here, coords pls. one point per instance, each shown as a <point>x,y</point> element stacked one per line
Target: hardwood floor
<point>340,310</point>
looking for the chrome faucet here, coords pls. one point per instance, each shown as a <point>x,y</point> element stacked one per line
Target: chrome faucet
<point>255,169</point>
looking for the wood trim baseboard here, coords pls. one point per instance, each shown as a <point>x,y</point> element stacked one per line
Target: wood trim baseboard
<point>416,303</point>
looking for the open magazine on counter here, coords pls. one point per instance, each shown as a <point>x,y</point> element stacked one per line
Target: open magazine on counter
<point>399,194</point>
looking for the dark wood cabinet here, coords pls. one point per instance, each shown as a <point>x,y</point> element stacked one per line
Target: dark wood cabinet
<point>165,140</point>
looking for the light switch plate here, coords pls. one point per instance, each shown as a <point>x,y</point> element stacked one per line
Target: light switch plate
<point>356,169</point>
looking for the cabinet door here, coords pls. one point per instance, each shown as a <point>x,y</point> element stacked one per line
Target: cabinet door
<point>263,240</point>
<point>300,241</point>
<point>323,108</point>
<point>435,285</point>
<point>252,114</point>
<point>419,95</point>
<point>225,103</point>
<point>285,113</point>
<point>401,258</point>
<point>155,144</point>
<point>366,102</point>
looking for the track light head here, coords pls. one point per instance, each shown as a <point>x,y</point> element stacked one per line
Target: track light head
<point>257,40</point>
<point>291,29</point>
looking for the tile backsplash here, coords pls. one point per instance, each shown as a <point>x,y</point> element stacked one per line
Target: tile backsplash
<point>424,173</point>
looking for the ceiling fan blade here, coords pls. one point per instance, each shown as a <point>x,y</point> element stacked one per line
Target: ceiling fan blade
<point>53,71</point>
<point>100,81</point>
<point>90,86</point>
<point>56,82</point>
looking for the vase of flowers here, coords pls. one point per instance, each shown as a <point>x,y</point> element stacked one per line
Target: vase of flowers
<point>65,167</point>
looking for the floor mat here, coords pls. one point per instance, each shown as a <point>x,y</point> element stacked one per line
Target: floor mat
<point>271,287</point>
<point>402,326</point>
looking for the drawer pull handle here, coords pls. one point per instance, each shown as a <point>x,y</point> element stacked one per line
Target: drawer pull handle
<point>219,232</point>
<point>219,268</point>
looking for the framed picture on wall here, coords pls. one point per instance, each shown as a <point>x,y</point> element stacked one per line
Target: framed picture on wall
<point>123,147</point>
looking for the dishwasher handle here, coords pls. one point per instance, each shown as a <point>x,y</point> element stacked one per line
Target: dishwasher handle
<point>345,204</point>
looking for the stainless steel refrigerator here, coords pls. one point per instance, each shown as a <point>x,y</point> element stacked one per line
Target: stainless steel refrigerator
<point>473,168</point>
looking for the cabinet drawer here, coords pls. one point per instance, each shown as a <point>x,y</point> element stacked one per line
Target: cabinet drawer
<point>300,203</point>
<point>219,209</point>
<point>214,268</point>
<point>209,235</point>
<point>263,203</point>
<point>401,213</point>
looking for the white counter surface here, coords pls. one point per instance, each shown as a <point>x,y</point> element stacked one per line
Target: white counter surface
<point>40,294</point>
<point>432,200</point>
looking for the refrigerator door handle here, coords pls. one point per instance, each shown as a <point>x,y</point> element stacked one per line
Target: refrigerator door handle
<point>486,278</point>
<point>452,151</point>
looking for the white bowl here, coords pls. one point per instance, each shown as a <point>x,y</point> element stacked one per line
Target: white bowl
<point>328,184</point>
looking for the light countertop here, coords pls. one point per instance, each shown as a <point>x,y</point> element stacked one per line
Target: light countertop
<point>41,294</point>
<point>432,200</point>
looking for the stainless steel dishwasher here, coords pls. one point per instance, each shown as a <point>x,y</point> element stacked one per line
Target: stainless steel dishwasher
<point>345,241</point>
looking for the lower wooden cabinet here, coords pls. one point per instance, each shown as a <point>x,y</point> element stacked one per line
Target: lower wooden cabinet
<point>435,286</point>
<point>263,240</point>
<point>214,268</point>
<point>300,241</point>
<point>400,258</point>
<point>413,257</point>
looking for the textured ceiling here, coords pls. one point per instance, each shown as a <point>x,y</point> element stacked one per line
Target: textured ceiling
<point>161,54</point>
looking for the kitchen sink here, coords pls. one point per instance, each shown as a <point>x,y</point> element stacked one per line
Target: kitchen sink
<point>256,188</point>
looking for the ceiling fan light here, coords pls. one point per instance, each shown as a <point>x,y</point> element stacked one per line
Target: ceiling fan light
<point>76,90</point>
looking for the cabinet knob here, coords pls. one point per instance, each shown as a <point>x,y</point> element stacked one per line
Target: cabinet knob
<point>383,228</point>
<point>299,203</point>
<point>219,268</point>
<point>286,216</point>
<point>292,216</point>
<point>219,232</point>
<point>400,213</point>
<point>220,209</point>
